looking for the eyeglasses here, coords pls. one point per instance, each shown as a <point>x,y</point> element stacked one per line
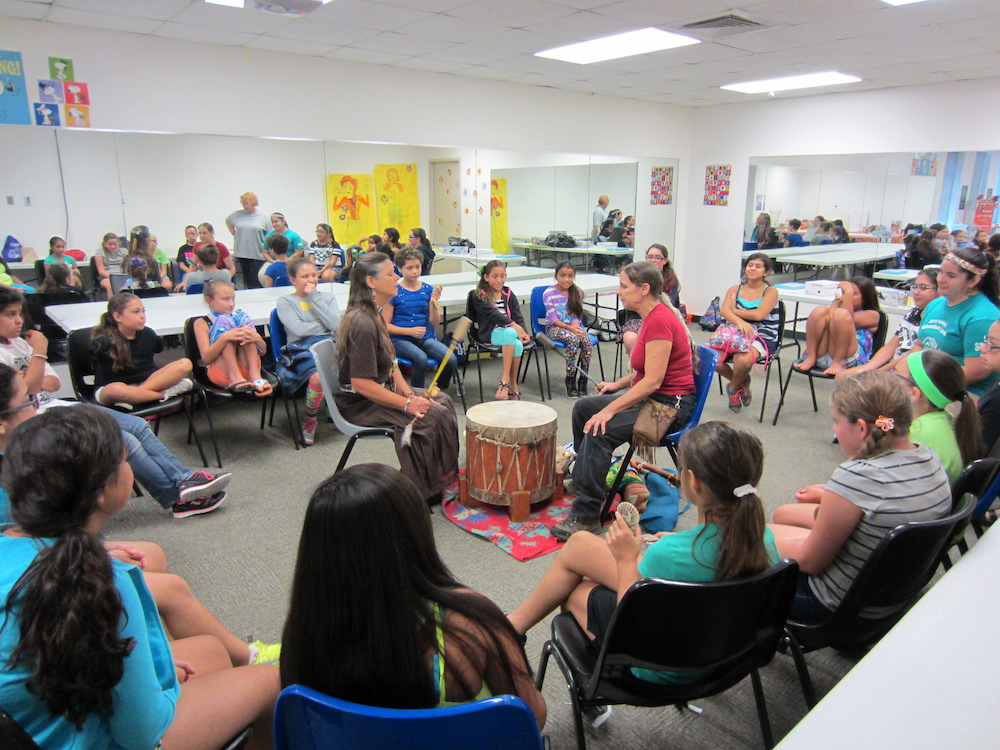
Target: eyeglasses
<point>984,346</point>
<point>655,257</point>
<point>32,401</point>
<point>907,378</point>
<point>924,287</point>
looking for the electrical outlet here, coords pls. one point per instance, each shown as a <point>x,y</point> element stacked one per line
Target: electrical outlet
<point>27,200</point>
<point>10,200</point>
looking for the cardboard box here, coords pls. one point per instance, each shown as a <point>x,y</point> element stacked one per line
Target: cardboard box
<point>891,296</point>
<point>822,287</point>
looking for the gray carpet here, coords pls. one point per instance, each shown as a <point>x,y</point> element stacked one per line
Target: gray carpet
<point>239,560</point>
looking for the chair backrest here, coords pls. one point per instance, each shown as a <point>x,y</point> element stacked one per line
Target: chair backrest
<point>326,368</point>
<point>782,319</point>
<point>707,358</point>
<point>537,309</point>
<point>897,569</point>
<point>118,281</point>
<point>39,271</point>
<point>470,313</point>
<point>81,367</point>
<point>195,288</point>
<point>282,281</point>
<point>987,498</point>
<point>156,291</point>
<point>728,627</point>
<point>94,276</point>
<point>13,736</point>
<point>277,329</point>
<point>975,478</point>
<point>305,719</point>
<point>35,304</point>
<point>878,340</point>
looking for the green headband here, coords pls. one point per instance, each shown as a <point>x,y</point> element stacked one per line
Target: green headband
<point>923,381</point>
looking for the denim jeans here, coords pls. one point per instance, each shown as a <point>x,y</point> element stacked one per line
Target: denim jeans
<point>154,466</point>
<point>418,354</point>
<point>593,453</point>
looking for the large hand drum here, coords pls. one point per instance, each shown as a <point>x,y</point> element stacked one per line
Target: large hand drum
<point>510,451</point>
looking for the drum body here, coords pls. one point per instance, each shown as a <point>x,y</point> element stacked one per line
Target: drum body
<point>510,446</point>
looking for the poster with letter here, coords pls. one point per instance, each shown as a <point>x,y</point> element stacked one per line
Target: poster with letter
<point>14,109</point>
<point>499,238</point>
<point>76,115</point>
<point>61,69</point>
<point>47,114</point>
<point>352,212</point>
<point>661,186</point>
<point>717,178</point>
<point>398,196</point>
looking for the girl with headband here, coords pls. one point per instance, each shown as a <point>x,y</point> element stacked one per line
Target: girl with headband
<point>887,481</point>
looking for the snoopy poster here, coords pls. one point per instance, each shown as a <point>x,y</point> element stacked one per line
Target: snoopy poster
<point>14,109</point>
<point>50,92</point>
<point>76,92</point>
<point>61,69</point>
<point>77,115</point>
<point>398,195</point>
<point>47,114</point>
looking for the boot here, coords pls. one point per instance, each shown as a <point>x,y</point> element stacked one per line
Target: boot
<point>581,389</point>
<point>571,387</point>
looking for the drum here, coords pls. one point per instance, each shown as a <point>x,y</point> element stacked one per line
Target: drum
<point>510,447</point>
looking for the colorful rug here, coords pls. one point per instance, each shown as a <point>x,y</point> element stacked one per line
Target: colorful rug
<point>523,541</point>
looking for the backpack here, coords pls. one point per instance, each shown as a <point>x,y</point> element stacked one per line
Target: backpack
<point>559,239</point>
<point>712,318</point>
<point>460,242</point>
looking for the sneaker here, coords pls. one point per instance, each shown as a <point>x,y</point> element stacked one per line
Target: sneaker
<point>309,431</point>
<point>735,403</point>
<point>199,505</point>
<point>264,653</point>
<point>182,387</point>
<point>746,397</point>
<point>567,528</point>
<point>597,715</point>
<point>202,484</point>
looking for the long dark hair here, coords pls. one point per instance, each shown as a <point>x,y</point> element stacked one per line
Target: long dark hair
<point>869,295</point>
<point>985,261</point>
<point>765,232</point>
<point>56,278</point>
<point>118,346</point>
<point>669,277</point>
<point>333,240</point>
<point>66,604</point>
<point>949,377</point>
<point>361,302</point>
<point>725,457</point>
<point>574,305</point>
<point>421,235</point>
<point>483,286</point>
<point>360,621</point>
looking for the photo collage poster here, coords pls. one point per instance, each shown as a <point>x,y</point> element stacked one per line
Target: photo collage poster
<point>717,177</point>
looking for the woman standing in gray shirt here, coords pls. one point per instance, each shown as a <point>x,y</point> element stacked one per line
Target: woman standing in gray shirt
<point>248,228</point>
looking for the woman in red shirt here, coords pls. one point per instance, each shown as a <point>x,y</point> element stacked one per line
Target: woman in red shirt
<point>663,365</point>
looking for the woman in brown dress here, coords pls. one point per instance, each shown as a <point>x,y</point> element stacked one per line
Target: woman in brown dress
<point>374,393</point>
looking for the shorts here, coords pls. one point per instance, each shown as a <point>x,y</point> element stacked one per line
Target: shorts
<point>601,605</point>
<point>218,377</point>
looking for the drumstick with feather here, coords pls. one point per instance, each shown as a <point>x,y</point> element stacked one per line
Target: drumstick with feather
<point>460,334</point>
<point>549,344</point>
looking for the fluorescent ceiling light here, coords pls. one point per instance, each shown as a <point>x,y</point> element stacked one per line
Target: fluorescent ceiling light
<point>902,2</point>
<point>230,3</point>
<point>808,81</point>
<point>630,43</point>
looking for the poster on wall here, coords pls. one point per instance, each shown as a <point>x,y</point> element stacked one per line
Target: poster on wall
<point>661,186</point>
<point>352,213</point>
<point>61,69</point>
<point>76,92</point>
<point>47,114</point>
<point>964,196</point>
<point>50,92</point>
<point>76,115</point>
<point>924,165</point>
<point>398,196</point>
<point>14,109</point>
<point>717,184</point>
<point>985,207</point>
<point>499,238</point>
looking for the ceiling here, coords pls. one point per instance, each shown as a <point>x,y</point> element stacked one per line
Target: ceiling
<point>931,42</point>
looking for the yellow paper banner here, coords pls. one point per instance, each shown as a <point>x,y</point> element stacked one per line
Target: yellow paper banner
<point>352,214</point>
<point>498,216</point>
<point>398,196</point>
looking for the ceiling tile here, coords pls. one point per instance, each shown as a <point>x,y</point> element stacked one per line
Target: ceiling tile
<point>807,11</point>
<point>160,10</point>
<point>940,12</point>
<point>189,33</point>
<point>331,34</point>
<point>76,17</point>
<point>233,19</point>
<point>401,43</point>
<point>23,9</point>
<point>469,54</point>
<point>537,79</point>
<point>451,29</point>
<point>363,14</point>
<point>520,41</point>
<point>513,13</point>
<point>641,13</point>
<point>484,71</point>
<point>583,4</point>
<point>353,54</point>
<point>278,44</point>
<point>431,6</point>
<point>435,66</point>
<point>581,27</point>
<point>773,40</point>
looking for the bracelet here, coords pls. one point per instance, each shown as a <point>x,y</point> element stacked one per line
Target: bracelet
<point>407,404</point>
<point>41,356</point>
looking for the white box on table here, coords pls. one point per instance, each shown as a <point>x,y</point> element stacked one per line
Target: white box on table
<point>891,296</point>
<point>821,287</point>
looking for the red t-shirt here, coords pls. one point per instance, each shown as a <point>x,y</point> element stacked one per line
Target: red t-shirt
<point>661,324</point>
<point>223,251</point>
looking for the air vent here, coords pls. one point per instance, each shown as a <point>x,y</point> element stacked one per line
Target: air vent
<point>729,24</point>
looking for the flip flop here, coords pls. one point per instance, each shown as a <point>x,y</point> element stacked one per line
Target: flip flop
<point>261,388</point>
<point>514,395</point>
<point>243,386</point>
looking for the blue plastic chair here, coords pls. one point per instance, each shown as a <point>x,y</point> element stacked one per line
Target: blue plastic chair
<point>195,288</point>
<point>703,384</point>
<point>278,342</point>
<point>537,315</point>
<point>305,719</point>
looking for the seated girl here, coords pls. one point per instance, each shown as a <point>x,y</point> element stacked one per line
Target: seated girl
<point>143,246</point>
<point>308,315</point>
<point>752,308</point>
<point>229,342</point>
<point>108,260</point>
<point>122,350</point>
<point>631,321</point>
<point>412,317</point>
<point>327,255</point>
<point>498,321</point>
<point>840,336</point>
<point>57,254</point>
<point>935,380</point>
<point>563,313</point>
<point>720,465</point>
<point>87,662</point>
<point>59,280</point>
<point>204,267</point>
<point>397,630</point>
<point>142,275</point>
<point>889,480</point>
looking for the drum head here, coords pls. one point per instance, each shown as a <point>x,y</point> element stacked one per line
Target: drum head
<point>511,414</point>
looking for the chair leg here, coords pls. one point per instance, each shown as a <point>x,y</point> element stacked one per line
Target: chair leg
<point>263,411</point>
<point>619,478</point>
<point>460,387</point>
<point>812,391</point>
<point>767,385</point>
<point>197,438</point>
<point>574,694</point>
<point>802,669</point>
<point>548,380</point>
<point>600,359</point>
<point>781,401</point>
<point>758,694</point>
<point>347,452</point>
<point>479,371</point>
<point>211,427</point>
<point>292,425</point>
<point>538,369</point>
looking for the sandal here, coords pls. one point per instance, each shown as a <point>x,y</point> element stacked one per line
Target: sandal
<point>261,388</point>
<point>515,395</point>
<point>243,386</point>
<point>505,388</point>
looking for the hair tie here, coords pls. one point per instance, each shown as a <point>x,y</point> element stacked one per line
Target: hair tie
<point>745,489</point>
<point>482,270</point>
<point>885,423</point>
<point>924,382</point>
<point>137,262</point>
<point>965,265</point>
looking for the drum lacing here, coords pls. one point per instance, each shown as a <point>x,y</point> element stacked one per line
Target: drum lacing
<point>516,447</point>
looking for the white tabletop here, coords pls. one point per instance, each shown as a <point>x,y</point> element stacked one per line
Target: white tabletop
<point>931,682</point>
<point>896,274</point>
<point>851,255</point>
<point>477,256</point>
<point>472,276</point>
<point>781,253</point>
<point>580,250</point>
